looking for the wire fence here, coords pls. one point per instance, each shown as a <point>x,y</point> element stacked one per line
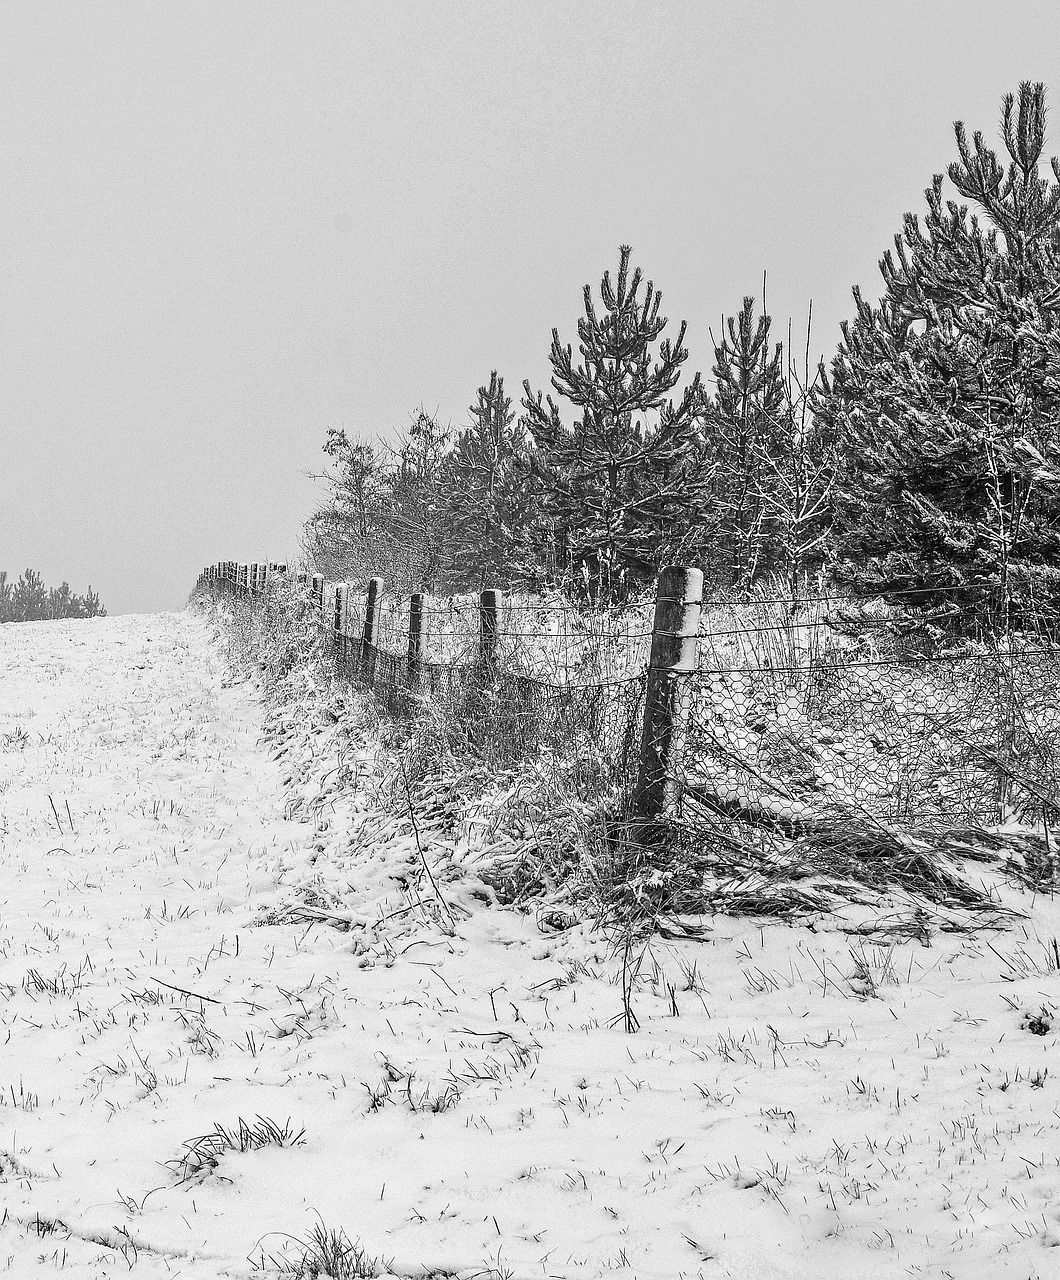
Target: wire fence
<point>785,719</point>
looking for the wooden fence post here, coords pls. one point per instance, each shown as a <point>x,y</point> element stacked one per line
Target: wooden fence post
<point>674,654</point>
<point>417,639</point>
<point>318,590</point>
<point>338,617</point>
<point>489,608</point>
<point>371,629</point>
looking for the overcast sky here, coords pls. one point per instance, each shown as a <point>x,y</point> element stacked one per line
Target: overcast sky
<point>227,226</point>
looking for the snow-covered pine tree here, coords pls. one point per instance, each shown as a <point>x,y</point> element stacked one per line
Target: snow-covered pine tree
<point>738,425</point>
<point>946,397</point>
<point>621,491</point>
<point>485,484</point>
<point>796,475</point>
<point>29,600</point>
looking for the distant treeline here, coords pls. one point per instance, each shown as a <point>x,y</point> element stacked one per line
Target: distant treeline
<point>29,600</point>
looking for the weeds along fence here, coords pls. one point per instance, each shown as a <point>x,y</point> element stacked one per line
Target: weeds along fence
<point>509,678</point>
<point>773,723</point>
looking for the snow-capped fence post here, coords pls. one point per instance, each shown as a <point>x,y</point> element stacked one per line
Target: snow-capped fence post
<point>318,591</point>
<point>674,655</point>
<point>488,629</point>
<point>417,639</point>
<point>371,629</point>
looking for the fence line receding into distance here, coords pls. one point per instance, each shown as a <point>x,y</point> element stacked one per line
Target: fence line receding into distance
<point>761,717</point>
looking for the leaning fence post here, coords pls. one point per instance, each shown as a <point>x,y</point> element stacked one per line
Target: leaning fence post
<point>417,639</point>
<point>674,654</point>
<point>371,628</point>
<point>489,608</point>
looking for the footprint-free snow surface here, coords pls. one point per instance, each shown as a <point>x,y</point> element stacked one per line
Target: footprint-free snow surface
<point>798,1101</point>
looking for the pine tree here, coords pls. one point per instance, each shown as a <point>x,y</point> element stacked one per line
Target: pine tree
<point>946,397</point>
<point>485,483</point>
<point>29,600</point>
<point>796,474</point>
<point>619,491</point>
<point>739,424</point>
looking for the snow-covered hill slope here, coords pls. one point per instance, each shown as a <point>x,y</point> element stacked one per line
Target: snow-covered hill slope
<point>812,1101</point>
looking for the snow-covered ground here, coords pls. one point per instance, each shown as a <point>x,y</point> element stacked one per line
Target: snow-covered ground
<point>799,1101</point>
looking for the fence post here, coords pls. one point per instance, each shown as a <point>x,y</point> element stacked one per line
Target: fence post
<point>371,628</point>
<point>674,654</point>
<point>338,617</point>
<point>489,608</point>
<point>417,639</point>
<point>318,590</point>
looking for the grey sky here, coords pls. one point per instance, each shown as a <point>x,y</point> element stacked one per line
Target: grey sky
<point>226,226</point>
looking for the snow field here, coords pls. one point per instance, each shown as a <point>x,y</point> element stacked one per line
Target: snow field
<point>187,940</point>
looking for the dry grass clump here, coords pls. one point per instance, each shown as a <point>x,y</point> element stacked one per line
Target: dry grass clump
<point>327,1254</point>
<point>203,1154</point>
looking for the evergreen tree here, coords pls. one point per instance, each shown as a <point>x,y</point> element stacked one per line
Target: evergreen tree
<point>739,424</point>
<point>796,474</point>
<point>620,490</point>
<point>485,484</point>
<point>29,600</point>
<point>946,397</point>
